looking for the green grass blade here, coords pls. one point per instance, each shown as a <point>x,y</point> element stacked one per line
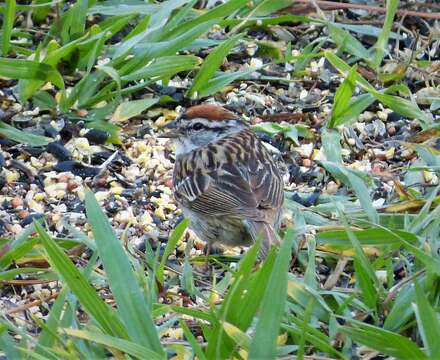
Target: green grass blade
<point>362,259</point>
<point>249,303</point>
<point>32,70</point>
<point>22,137</point>
<point>163,67</point>
<point>13,273</point>
<point>428,323</point>
<point>267,7</point>
<point>126,291</point>
<point>130,109</point>
<point>354,180</point>
<point>356,106</point>
<point>216,13</point>
<point>348,42</point>
<point>342,97</point>
<point>400,105</point>
<point>313,336</point>
<point>59,311</point>
<point>220,81</point>
<point>79,14</point>
<point>363,280</point>
<point>331,143</point>
<point>145,52</point>
<point>177,19</point>
<point>8,24</point>
<point>122,8</point>
<point>264,344</point>
<point>7,344</point>
<point>238,336</point>
<point>17,251</point>
<point>401,312</point>
<point>47,338</point>
<point>197,349</point>
<point>76,281</point>
<point>367,237</point>
<point>310,273</point>
<point>384,341</point>
<point>382,40</point>
<point>125,346</point>
<point>211,64</point>
<point>171,245</point>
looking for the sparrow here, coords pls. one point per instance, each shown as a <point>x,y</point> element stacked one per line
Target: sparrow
<point>224,179</point>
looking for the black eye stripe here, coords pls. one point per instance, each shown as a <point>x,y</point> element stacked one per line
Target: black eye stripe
<point>200,126</point>
<point>217,128</point>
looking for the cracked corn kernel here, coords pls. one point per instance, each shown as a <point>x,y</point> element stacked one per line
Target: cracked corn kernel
<point>160,213</point>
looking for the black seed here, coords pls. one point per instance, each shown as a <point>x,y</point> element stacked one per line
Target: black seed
<point>69,131</point>
<point>309,201</point>
<point>156,193</point>
<point>30,218</point>
<point>112,207</point>
<point>394,117</point>
<point>57,149</point>
<point>2,182</point>
<point>50,131</point>
<point>100,157</point>
<point>77,169</point>
<point>2,161</point>
<point>96,136</point>
<point>167,90</point>
<point>7,142</point>
<point>144,130</point>
<point>178,97</point>
<point>35,152</point>
<point>294,173</point>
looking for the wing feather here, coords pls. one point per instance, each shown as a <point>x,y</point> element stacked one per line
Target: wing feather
<point>238,184</point>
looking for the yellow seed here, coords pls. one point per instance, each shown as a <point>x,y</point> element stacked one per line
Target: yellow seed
<point>160,213</point>
<point>11,176</point>
<point>39,196</point>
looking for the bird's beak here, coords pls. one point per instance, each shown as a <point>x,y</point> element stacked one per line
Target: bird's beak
<point>173,130</point>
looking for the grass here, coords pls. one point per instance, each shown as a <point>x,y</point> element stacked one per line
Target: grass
<point>276,308</point>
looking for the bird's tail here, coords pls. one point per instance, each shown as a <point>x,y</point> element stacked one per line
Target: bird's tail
<point>267,232</point>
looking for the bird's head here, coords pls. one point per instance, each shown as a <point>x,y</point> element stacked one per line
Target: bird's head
<point>201,125</point>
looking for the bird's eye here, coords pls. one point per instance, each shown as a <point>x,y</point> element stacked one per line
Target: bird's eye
<point>198,126</point>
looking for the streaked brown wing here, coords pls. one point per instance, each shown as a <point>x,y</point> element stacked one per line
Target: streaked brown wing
<point>242,184</point>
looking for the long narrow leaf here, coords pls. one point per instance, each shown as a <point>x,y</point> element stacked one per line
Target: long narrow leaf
<point>76,281</point>
<point>8,24</point>
<point>126,346</point>
<point>211,64</point>
<point>21,136</point>
<point>429,324</point>
<point>32,70</point>
<point>264,344</point>
<point>396,103</point>
<point>131,303</point>
<point>171,244</point>
<point>389,343</point>
<point>382,40</point>
<point>343,97</point>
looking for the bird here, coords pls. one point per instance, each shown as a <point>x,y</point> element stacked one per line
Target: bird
<point>224,179</point>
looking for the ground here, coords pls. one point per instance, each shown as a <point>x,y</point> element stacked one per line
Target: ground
<point>380,165</point>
